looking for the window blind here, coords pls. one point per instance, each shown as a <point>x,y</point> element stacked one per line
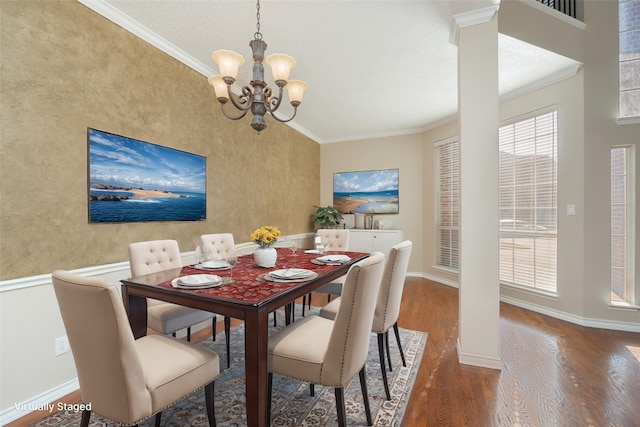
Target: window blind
<point>622,214</point>
<point>629,62</point>
<point>448,204</point>
<point>528,202</point>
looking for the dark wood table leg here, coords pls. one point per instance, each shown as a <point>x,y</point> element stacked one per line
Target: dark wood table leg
<point>255,349</point>
<point>288,313</point>
<point>136,307</point>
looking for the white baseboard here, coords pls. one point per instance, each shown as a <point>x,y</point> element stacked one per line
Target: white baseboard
<point>39,402</point>
<point>433,279</point>
<point>578,320</point>
<point>568,317</point>
<point>478,359</point>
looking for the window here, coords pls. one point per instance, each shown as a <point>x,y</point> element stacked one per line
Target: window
<point>528,202</point>
<point>629,45</point>
<point>447,204</point>
<point>622,213</point>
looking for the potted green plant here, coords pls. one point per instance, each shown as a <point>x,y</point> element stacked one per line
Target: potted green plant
<point>326,217</point>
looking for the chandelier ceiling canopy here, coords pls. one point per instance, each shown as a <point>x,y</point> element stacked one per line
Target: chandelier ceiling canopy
<point>258,98</point>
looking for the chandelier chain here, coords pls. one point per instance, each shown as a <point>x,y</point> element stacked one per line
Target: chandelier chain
<point>258,34</point>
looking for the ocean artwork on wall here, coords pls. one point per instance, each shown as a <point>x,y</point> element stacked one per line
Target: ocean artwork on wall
<point>367,192</point>
<point>137,181</point>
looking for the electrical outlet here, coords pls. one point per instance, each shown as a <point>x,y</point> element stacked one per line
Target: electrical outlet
<point>61,345</point>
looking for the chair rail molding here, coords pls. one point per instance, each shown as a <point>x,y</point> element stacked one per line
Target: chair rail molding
<point>45,279</point>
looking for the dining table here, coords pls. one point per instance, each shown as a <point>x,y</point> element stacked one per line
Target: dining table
<point>247,292</point>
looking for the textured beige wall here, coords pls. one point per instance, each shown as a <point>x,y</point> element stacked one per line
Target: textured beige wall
<point>66,68</point>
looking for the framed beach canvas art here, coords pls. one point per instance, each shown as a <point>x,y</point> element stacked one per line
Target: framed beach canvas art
<point>137,181</point>
<point>367,192</point>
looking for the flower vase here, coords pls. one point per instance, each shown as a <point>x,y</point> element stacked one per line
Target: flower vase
<point>265,256</point>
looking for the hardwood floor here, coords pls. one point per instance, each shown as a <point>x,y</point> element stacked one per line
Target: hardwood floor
<point>554,373</point>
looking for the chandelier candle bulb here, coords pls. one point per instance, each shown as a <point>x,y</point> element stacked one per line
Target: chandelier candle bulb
<point>220,87</point>
<point>229,62</point>
<point>281,66</point>
<point>295,89</point>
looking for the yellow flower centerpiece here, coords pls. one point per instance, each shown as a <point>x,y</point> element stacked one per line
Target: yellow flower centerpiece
<point>265,236</point>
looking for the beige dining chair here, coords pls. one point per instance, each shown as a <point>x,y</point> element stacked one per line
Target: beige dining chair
<point>387,305</point>
<point>218,246</point>
<point>333,240</point>
<point>127,380</point>
<point>331,352</point>
<point>166,318</point>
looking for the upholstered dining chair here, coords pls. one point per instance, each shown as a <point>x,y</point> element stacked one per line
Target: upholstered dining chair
<point>163,317</point>
<point>127,380</point>
<point>218,246</point>
<point>333,240</point>
<point>387,305</point>
<point>330,353</point>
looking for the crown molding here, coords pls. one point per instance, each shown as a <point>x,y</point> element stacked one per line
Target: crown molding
<point>467,19</point>
<point>568,72</point>
<point>124,21</point>
<point>360,137</point>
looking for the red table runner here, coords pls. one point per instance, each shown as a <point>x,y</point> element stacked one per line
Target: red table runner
<point>247,284</point>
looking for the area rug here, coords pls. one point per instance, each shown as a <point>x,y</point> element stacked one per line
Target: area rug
<point>292,404</point>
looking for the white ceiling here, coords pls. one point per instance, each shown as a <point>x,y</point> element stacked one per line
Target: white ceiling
<point>374,68</point>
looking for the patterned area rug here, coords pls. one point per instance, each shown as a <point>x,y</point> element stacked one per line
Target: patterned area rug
<point>292,404</point>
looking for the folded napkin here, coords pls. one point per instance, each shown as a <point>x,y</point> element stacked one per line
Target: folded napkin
<point>292,273</point>
<point>199,280</point>
<point>334,258</point>
<point>215,264</point>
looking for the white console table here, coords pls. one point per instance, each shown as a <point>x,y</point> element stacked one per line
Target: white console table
<point>373,240</point>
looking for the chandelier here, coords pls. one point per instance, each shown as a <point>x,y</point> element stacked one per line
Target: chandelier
<point>258,98</point>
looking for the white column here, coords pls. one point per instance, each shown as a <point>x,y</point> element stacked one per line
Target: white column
<point>479,323</point>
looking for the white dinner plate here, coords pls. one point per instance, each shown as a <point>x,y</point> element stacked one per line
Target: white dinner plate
<point>334,258</point>
<point>270,278</point>
<point>214,265</point>
<point>292,273</point>
<point>197,281</point>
